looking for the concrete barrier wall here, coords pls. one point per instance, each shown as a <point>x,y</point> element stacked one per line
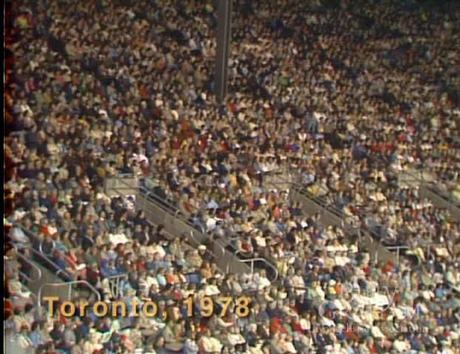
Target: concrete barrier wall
<point>46,280</point>
<point>48,277</point>
<point>375,249</point>
<point>226,261</point>
<point>427,184</point>
<point>440,202</point>
<point>120,186</point>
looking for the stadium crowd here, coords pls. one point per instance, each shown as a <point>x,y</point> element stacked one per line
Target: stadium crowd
<point>345,97</point>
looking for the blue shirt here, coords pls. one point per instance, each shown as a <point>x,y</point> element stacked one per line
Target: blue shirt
<point>161,280</point>
<point>36,338</point>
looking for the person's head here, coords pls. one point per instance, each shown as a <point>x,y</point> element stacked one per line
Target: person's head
<point>28,308</point>
<point>36,326</point>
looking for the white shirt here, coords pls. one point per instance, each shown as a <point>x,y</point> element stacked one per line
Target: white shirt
<point>262,282</point>
<point>401,346</point>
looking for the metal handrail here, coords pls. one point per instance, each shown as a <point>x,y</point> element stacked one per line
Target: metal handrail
<point>257,259</point>
<point>178,215</point>
<point>233,238</point>
<point>69,284</point>
<point>217,243</point>
<point>201,228</point>
<point>263,260</point>
<point>448,197</point>
<point>58,270</point>
<point>25,287</point>
<point>40,248</point>
<point>398,250</point>
<point>193,237</point>
<point>120,178</point>
<point>31,294</point>
<point>152,195</point>
<point>402,247</point>
<point>433,188</point>
<point>221,247</point>
<point>297,287</point>
<point>124,175</point>
<point>114,283</point>
<point>391,299</point>
<point>38,270</point>
<point>167,206</point>
<point>318,200</point>
<point>299,188</point>
<point>238,252</point>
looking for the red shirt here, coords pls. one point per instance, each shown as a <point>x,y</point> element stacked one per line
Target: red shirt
<point>7,308</point>
<point>296,327</point>
<point>232,107</point>
<point>203,142</point>
<point>388,267</point>
<point>277,326</point>
<point>175,144</point>
<point>372,348</point>
<point>350,334</point>
<point>140,265</point>
<point>367,270</point>
<point>277,213</point>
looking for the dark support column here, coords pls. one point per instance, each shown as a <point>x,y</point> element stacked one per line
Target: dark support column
<point>224,20</point>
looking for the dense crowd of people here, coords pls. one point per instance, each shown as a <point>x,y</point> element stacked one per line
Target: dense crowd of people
<point>343,97</point>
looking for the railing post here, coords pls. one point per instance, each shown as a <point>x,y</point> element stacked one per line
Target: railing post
<point>39,297</point>
<point>69,284</point>
<point>179,221</point>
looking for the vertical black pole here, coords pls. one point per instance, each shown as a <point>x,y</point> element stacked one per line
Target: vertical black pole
<point>224,20</point>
